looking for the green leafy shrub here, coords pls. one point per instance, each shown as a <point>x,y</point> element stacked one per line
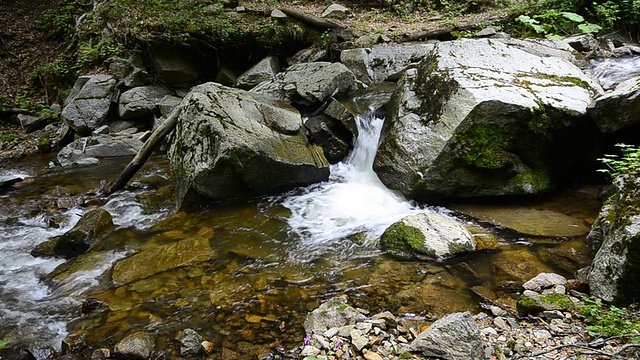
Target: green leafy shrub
<point>555,24</point>
<point>608,321</point>
<point>626,164</point>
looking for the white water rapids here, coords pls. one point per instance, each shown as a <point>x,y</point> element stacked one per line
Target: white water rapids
<point>353,201</point>
<point>612,71</point>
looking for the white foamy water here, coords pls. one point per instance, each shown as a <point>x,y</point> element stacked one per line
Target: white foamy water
<point>612,71</point>
<point>128,213</point>
<point>351,202</point>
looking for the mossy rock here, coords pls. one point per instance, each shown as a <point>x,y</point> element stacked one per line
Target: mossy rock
<point>94,226</point>
<point>404,241</point>
<point>532,305</point>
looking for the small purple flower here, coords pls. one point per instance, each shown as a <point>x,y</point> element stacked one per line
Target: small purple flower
<point>338,344</point>
<point>307,340</point>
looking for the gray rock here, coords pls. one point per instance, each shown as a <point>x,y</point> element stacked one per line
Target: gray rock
<point>310,351</point>
<point>262,71</point>
<point>119,126</point>
<point>230,143</point>
<point>614,272</point>
<point>308,83</point>
<point>544,48</point>
<point>87,105</point>
<point>131,71</point>
<point>101,354</point>
<point>332,314</point>
<point>486,32</point>
<point>226,76</point>
<point>454,337</point>
<point>358,339</point>
<point>311,54</point>
<point>140,101</point>
<point>456,126</point>
<point>330,136</point>
<point>167,104</point>
<point>335,11</point>
<point>135,346</point>
<point>429,235</point>
<point>277,14</point>
<point>619,109</point>
<point>544,281</point>
<point>99,146</point>
<point>190,342</point>
<point>31,123</point>
<point>173,68</point>
<point>585,43</point>
<point>376,64</point>
<point>102,130</point>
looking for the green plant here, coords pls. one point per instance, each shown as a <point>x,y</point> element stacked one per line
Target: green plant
<point>608,321</point>
<point>607,13</point>
<point>556,24</point>
<point>627,164</point>
<point>3,343</point>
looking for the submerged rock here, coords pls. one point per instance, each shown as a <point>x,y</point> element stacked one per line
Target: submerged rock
<point>137,346</point>
<point>429,235</point>
<point>480,118</point>
<point>231,143</point>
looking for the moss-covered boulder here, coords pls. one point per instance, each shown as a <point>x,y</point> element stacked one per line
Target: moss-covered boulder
<point>482,118</point>
<point>426,236</point>
<point>615,272</point>
<point>94,226</point>
<point>534,304</point>
<point>231,143</point>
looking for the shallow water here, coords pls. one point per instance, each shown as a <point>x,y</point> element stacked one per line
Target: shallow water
<point>612,71</point>
<point>244,275</point>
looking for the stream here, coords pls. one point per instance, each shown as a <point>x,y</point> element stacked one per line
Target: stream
<point>245,275</point>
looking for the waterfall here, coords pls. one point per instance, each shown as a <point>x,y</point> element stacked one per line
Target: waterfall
<point>352,202</point>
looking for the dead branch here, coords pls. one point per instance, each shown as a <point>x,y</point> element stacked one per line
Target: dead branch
<point>141,157</point>
<point>445,33</point>
<point>311,19</point>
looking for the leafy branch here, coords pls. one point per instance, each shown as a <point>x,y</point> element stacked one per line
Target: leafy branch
<point>627,164</point>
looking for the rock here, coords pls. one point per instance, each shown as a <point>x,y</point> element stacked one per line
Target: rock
<point>94,226</point>
<point>7,182</point>
<point>101,354</point>
<point>173,68</point>
<point>358,339</point>
<point>226,76</point>
<point>157,258</point>
<point>486,32</point>
<point>190,342</point>
<point>614,272</point>
<point>88,103</point>
<point>231,143</point>
<point>456,125</point>
<point>428,235</point>
<point>65,135</point>
<point>262,71</point>
<point>102,130</point>
<point>135,346</point>
<point>544,281</point>
<point>544,48</point>
<point>619,109</point>
<point>454,337</point>
<point>376,64</point>
<point>100,146</point>
<point>32,123</point>
<point>584,43</point>
<point>334,313</point>
<point>167,104</point>
<point>534,303</point>
<point>308,83</point>
<point>207,346</point>
<point>335,11</point>
<point>278,15</point>
<point>330,135</point>
<point>131,71</point>
<point>567,258</point>
<point>370,355</point>
<point>140,101</point>
<point>308,55</point>
<point>516,265</point>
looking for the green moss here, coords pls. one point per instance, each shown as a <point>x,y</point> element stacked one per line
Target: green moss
<point>483,146</point>
<point>533,181</point>
<point>434,86</point>
<point>539,122</point>
<point>460,247</point>
<point>560,300</point>
<point>404,241</point>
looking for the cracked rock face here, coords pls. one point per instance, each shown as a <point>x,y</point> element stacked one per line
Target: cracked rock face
<point>87,105</point>
<point>482,118</point>
<point>232,143</point>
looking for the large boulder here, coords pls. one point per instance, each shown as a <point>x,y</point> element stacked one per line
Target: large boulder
<point>426,235</point>
<point>85,150</point>
<point>94,226</point>
<point>379,63</point>
<point>454,337</point>
<point>130,71</point>
<point>140,101</point>
<point>308,83</point>
<point>619,109</point>
<point>230,143</point>
<point>173,67</point>
<point>331,314</point>
<point>615,271</point>
<point>480,118</point>
<point>87,105</point>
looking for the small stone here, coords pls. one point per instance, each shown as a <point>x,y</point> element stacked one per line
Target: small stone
<point>512,322</point>
<point>358,339</point>
<point>500,323</point>
<point>277,14</point>
<point>139,344</point>
<point>364,327</point>
<point>486,32</point>
<point>102,130</point>
<point>190,342</point>
<point>497,311</point>
<point>552,314</point>
<point>101,354</point>
<point>207,346</point>
<point>544,281</point>
<point>310,351</point>
<point>331,332</point>
<point>322,342</point>
<point>541,335</point>
<point>335,11</point>
<point>370,355</point>
<point>345,331</point>
<point>560,289</point>
<point>489,331</point>
<point>402,339</point>
<point>502,338</point>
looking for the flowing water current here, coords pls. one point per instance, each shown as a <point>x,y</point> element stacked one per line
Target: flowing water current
<point>244,275</point>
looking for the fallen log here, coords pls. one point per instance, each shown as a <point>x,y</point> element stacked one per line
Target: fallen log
<point>445,33</point>
<point>312,19</point>
<point>143,155</point>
